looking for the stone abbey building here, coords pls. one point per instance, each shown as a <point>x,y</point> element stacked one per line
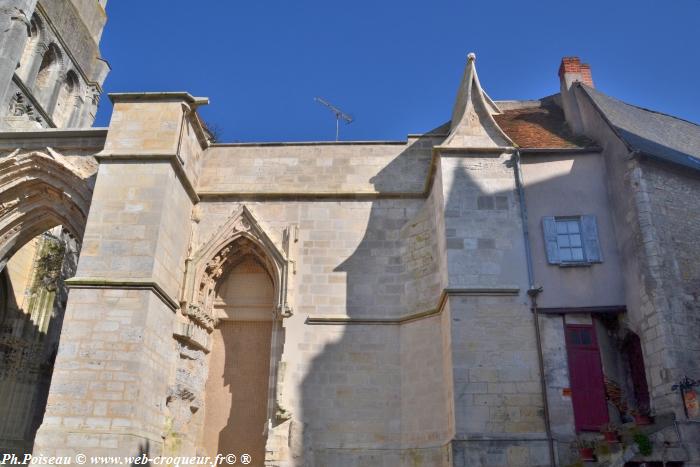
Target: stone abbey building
<point>488,293</point>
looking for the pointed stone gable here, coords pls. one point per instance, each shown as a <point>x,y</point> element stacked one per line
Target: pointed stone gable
<point>472,123</point>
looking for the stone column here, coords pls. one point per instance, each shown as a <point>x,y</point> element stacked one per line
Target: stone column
<point>14,24</point>
<point>117,355</point>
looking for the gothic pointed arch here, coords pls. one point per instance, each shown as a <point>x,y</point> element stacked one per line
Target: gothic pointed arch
<point>67,102</point>
<point>39,191</point>
<point>33,47</point>
<point>240,236</point>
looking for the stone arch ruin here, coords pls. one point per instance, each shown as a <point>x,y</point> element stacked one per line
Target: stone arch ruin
<point>44,201</point>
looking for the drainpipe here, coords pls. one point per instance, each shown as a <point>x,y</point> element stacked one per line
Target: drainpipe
<point>533,291</point>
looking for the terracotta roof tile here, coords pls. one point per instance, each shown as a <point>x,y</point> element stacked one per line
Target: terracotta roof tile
<point>539,127</point>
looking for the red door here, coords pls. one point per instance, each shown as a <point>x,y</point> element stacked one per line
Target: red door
<point>586,375</point>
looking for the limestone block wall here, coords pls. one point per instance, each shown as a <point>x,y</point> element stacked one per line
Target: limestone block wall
<point>482,222</point>
<point>108,386</point>
<point>134,231</point>
<point>497,398</point>
<point>355,168</point>
<point>424,258</point>
<point>561,410</point>
<point>144,128</point>
<point>673,194</point>
<point>118,360</point>
<point>379,386</point>
<point>427,412</point>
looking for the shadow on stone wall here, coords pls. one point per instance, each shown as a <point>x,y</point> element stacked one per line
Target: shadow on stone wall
<point>355,391</point>
<point>351,393</point>
<point>28,346</point>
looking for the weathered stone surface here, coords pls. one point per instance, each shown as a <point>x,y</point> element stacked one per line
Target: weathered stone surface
<point>397,325</point>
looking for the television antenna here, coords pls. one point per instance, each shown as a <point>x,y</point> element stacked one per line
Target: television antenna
<point>339,114</point>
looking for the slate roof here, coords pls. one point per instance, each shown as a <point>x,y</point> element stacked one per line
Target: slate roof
<point>654,134</point>
<point>541,127</point>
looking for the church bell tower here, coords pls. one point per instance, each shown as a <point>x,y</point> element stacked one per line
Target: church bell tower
<point>51,72</point>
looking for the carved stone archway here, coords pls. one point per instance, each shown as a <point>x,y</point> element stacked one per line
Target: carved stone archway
<point>39,190</point>
<point>241,236</point>
<point>207,265</point>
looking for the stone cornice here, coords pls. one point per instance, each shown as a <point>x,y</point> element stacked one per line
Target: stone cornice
<point>446,293</point>
<point>129,284</point>
<point>54,133</point>
<point>309,196</point>
<point>176,96</point>
<point>454,150</point>
<point>311,143</point>
<point>563,151</point>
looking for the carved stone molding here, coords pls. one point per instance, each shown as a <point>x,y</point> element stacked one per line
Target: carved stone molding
<point>239,237</point>
<point>21,107</point>
<point>194,335</point>
<point>40,190</point>
<point>199,316</point>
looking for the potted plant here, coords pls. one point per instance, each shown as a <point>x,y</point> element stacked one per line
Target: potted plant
<point>585,447</point>
<point>644,444</point>
<point>609,431</point>
<point>641,416</point>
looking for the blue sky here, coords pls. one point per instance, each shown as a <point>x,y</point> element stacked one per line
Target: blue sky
<point>394,65</point>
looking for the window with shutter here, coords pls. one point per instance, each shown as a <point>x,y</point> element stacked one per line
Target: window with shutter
<point>571,240</point>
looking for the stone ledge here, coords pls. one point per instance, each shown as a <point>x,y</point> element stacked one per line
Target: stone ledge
<point>129,284</point>
<point>305,196</point>
<point>310,143</point>
<point>175,96</point>
<point>116,431</point>
<point>495,151</point>
<point>446,293</point>
<point>499,437</point>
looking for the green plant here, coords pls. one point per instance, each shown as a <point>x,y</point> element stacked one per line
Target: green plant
<point>48,264</point>
<point>643,443</point>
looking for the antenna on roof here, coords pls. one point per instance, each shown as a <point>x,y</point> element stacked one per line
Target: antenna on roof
<point>339,114</point>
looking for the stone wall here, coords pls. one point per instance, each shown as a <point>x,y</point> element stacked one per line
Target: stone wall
<point>111,376</point>
<point>673,194</point>
<point>357,377</point>
<point>357,168</point>
<point>497,398</point>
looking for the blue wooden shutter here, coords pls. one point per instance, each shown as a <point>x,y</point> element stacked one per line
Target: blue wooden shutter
<point>591,243</point>
<point>549,227</point>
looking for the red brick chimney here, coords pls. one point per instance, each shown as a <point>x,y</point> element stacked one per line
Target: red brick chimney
<point>572,71</point>
<point>571,67</point>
